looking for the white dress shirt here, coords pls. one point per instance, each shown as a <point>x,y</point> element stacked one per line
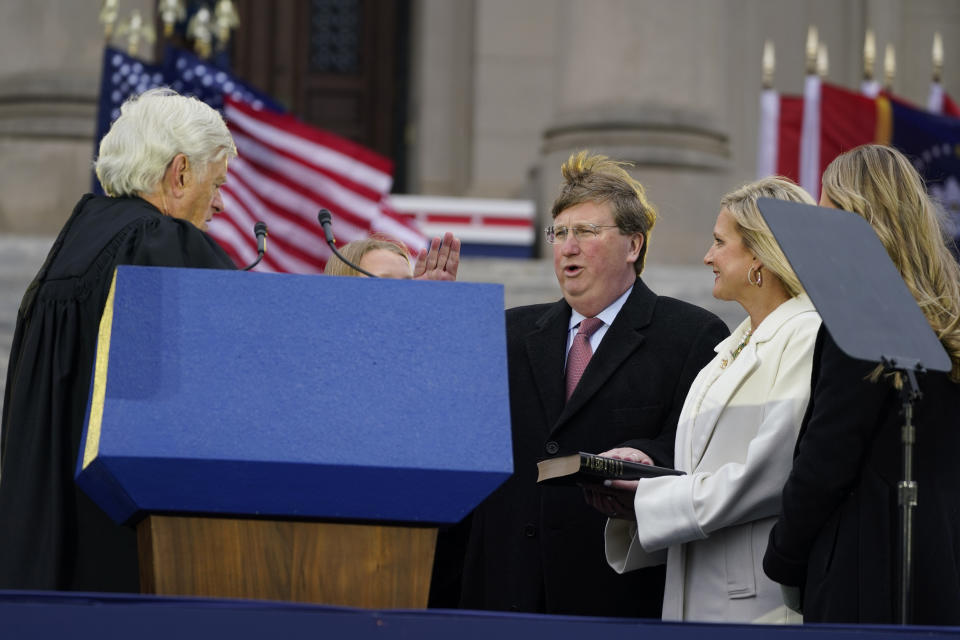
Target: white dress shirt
<point>608,315</point>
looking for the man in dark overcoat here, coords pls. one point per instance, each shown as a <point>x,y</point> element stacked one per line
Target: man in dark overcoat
<point>608,365</point>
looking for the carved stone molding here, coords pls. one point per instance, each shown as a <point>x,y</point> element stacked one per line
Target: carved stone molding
<point>48,105</point>
<point>646,135</point>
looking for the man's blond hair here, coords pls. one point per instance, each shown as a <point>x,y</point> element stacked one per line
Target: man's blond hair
<point>598,179</point>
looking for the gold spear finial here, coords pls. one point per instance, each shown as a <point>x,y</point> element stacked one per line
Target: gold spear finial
<point>171,12</point>
<point>226,19</point>
<point>812,48</point>
<point>199,30</point>
<point>823,61</point>
<point>889,67</point>
<point>136,30</point>
<point>108,17</point>
<point>869,55</point>
<point>937,57</point>
<point>769,64</point>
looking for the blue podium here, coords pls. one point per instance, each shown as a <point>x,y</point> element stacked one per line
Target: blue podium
<point>294,437</point>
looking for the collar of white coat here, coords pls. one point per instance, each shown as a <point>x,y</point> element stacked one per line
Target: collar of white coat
<point>770,325</point>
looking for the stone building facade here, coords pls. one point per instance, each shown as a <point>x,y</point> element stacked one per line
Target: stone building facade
<point>500,91</point>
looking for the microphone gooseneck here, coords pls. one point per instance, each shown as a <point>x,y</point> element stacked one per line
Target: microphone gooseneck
<point>326,222</point>
<point>260,230</point>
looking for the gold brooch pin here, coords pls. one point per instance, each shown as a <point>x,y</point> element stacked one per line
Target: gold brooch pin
<point>736,352</point>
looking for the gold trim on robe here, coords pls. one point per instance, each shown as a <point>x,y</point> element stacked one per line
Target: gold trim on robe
<point>99,378</point>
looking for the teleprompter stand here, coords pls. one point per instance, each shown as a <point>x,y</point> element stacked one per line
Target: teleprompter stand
<point>871,315</point>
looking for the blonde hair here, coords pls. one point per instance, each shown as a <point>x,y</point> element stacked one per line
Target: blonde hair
<point>354,252</point>
<point>153,128</point>
<point>598,179</point>
<point>879,184</point>
<point>757,237</point>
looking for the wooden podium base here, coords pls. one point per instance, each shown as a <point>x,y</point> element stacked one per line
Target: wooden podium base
<point>372,566</point>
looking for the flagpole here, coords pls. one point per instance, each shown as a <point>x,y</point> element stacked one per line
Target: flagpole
<point>869,87</point>
<point>810,136</point>
<point>767,142</point>
<point>935,99</point>
<point>889,68</point>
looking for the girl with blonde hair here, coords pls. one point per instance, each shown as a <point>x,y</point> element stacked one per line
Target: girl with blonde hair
<point>834,543</point>
<point>381,256</point>
<point>385,257</point>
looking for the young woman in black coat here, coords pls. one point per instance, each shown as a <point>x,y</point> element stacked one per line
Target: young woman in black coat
<point>835,543</point>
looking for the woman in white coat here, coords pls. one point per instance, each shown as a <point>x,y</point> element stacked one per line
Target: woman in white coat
<point>735,436</point>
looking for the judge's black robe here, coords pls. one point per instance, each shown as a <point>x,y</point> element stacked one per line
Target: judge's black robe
<point>52,536</point>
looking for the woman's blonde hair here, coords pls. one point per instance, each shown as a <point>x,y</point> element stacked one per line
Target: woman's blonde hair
<point>354,252</point>
<point>880,184</point>
<point>757,238</point>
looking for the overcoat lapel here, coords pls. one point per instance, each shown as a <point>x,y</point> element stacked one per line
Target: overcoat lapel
<point>730,380</point>
<point>622,339</point>
<point>546,348</point>
<point>719,394</point>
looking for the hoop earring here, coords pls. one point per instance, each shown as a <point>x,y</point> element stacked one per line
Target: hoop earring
<point>756,281</point>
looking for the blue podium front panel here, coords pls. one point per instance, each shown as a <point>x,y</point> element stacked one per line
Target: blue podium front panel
<point>300,396</point>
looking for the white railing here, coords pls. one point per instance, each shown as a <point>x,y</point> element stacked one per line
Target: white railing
<point>476,221</point>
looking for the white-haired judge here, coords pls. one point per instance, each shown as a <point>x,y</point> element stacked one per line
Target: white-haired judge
<point>162,165</point>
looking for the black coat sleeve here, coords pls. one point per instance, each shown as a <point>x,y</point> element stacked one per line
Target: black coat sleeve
<point>838,430</point>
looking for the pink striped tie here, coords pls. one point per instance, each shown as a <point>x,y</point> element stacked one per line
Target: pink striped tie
<point>580,352</point>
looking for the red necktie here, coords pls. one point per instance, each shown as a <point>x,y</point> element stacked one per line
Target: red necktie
<point>580,352</point>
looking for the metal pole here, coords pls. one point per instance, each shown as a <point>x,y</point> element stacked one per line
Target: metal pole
<point>907,494</point>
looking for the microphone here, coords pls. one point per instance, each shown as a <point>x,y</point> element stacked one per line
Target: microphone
<point>325,221</point>
<point>260,229</point>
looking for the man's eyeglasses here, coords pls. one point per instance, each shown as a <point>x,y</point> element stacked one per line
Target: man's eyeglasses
<point>581,232</point>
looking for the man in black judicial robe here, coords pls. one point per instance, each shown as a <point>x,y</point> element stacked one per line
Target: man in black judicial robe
<point>52,536</point>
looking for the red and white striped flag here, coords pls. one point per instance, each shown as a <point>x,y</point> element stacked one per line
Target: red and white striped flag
<point>285,173</point>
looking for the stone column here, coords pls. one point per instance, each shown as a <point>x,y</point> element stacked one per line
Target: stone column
<point>441,102</point>
<point>50,59</point>
<point>643,81</point>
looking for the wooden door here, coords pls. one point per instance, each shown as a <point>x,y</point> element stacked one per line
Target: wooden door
<point>338,64</point>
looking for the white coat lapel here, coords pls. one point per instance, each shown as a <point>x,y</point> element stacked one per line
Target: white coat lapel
<point>726,382</point>
<point>731,378</point>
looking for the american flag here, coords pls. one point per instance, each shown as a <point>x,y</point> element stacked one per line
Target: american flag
<point>286,170</point>
<point>121,76</point>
